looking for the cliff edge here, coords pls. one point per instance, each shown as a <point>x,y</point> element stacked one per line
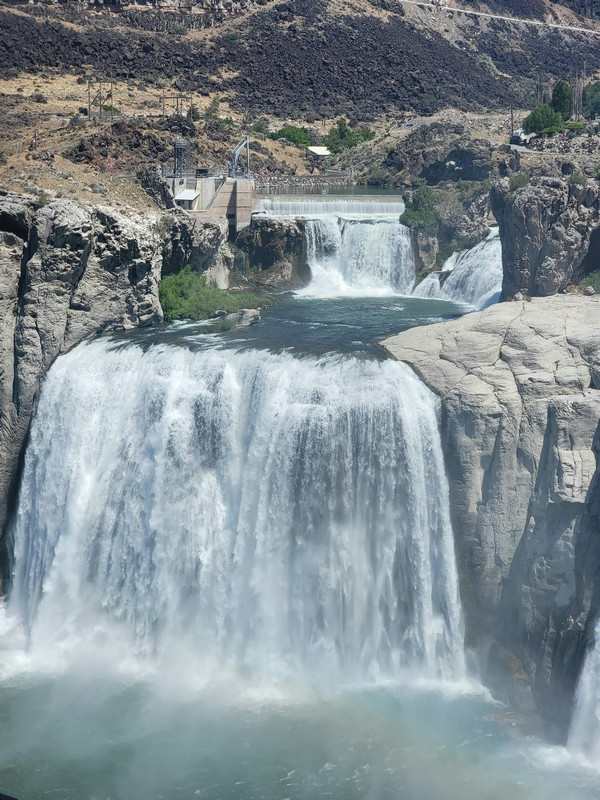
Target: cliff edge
<point>520,389</point>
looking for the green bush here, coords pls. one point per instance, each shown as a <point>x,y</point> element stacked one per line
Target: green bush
<point>487,65</point>
<point>575,126</point>
<point>577,178</point>
<point>541,118</point>
<point>518,181</point>
<point>42,199</point>
<point>293,134</point>
<point>342,136</point>
<point>593,279</point>
<point>426,220</point>
<point>194,113</point>
<point>423,199</point>
<point>186,296</point>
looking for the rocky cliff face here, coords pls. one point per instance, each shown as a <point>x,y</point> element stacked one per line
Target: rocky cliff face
<point>66,273</point>
<point>550,235</point>
<point>275,249</point>
<point>520,384</point>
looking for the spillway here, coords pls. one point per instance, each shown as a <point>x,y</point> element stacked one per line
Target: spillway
<point>354,247</point>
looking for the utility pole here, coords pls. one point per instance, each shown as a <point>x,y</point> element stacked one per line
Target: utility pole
<point>112,102</point>
<point>89,101</point>
<point>100,96</point>
<point>512,120</point>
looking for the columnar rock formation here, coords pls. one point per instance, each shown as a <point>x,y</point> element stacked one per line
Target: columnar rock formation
<point>66,273</point>
<point>520,384</point>
<point>550,235</point>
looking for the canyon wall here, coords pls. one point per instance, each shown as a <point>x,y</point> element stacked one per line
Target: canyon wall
<point>520,384</point>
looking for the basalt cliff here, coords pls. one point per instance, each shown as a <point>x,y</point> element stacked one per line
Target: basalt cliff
<point>520,389</point>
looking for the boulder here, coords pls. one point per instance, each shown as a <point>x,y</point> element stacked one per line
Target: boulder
<point>276,251</point>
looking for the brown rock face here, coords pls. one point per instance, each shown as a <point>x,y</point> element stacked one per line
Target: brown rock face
<point>66,273</point>
<point>550,235</point>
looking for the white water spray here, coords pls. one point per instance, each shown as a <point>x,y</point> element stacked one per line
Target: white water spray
<point>262,512</point>
<point>472,277</point>
<point>354,247</point>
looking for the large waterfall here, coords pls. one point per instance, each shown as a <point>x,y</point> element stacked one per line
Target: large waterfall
<point>270,513</point>
<point>354,247</point>
<point>472,277</point>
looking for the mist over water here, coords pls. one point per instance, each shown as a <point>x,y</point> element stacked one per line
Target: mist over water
<point>235,573</point>
<point>279,515</point>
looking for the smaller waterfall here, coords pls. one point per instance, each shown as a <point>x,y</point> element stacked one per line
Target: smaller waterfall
<point>339,206</point>
<point>354,247</point>
<point>584,736</point>
<point>472,277</point>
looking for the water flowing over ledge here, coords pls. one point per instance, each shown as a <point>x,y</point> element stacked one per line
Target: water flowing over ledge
<point>274,514</point>
<point>473,277</point>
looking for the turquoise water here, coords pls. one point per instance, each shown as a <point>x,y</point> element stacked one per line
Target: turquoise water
<point>81,720</point>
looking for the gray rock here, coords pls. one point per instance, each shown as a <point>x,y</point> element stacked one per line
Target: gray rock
<point>242,318</point>
<point>550,235</point>
<point>66,273</point>
<point>589,291</point>
<point>520,384</point>
<point>276,249</point>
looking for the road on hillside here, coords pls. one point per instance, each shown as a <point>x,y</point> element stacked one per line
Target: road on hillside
<point>537,23</point>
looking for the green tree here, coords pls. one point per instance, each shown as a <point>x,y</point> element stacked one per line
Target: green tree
<point>342,136</point>
<point>299,136</point>
<point>542,118</point>
<point>562,99</point>
<point>591,100</point>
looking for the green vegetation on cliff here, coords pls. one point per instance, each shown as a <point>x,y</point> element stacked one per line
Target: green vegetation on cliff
<point>187,296</point>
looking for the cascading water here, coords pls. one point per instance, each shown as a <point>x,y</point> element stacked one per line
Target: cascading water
<point>280,515</point>
<point>584,736</point>
<point>472,277</point>
<point>354,248</point>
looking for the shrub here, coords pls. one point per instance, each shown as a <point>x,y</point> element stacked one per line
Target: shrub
<point>260,128</point>
<point>342,136</point>
<point>577,178</point>
<point>593,279</point>
<point>542,118</point>
<point>194,113</point>
<point>486,64</point>
<point>212,110</point>
<point>42,199</point>
<point>293,134</point>
<point>423,199</point>
<point>562,99</point>
<point>518,181</point>
<point>575,126</point>
<point>186,296</point>
<point>38,97</point>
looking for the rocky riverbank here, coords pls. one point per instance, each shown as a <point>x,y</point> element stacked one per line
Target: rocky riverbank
<point>520,388</point>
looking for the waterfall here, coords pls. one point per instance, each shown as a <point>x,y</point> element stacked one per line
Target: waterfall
<point>472,277</point>
<point>337,206</point>
<point>274,514</point>
<point>354,247</point>
<point>584,736</point>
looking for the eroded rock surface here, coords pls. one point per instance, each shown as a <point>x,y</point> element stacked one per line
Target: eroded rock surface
<point>550,235</point>
<point>276,252</point>
<point>66,273</point>
<point>520,389</point>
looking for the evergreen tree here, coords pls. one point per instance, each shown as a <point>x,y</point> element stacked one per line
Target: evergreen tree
<point>562,99</point>
<point>591,100</point>
<point>543,118</point>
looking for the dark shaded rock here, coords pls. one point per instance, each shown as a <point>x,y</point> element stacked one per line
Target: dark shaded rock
<point>276,252</point>
<point>550,235</point>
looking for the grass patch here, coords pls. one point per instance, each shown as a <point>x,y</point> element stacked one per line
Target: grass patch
<point>186,296</point>
<point>593,279</point>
